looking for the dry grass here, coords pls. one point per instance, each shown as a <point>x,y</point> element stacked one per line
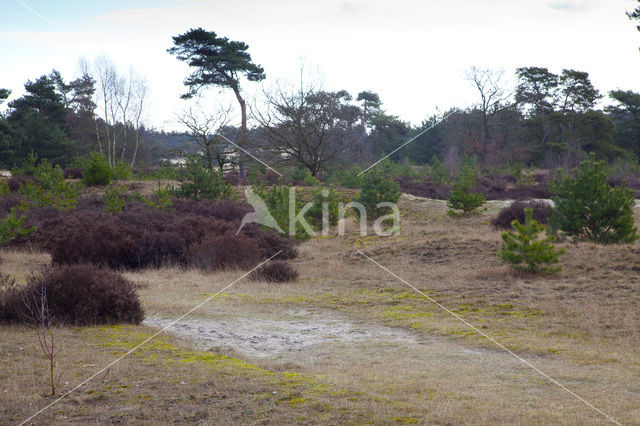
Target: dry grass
<point>580,326</point>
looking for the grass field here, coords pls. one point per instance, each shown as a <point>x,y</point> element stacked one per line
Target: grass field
<point>349,343</point>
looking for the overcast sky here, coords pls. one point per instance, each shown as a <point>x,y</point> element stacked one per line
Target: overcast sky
<point>412,53</point>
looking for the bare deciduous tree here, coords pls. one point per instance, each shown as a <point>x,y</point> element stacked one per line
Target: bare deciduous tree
<point>122,100</point>
<point>205,131</point>
<point>309,124</point>
<point>494,95</point>
<point>41,319</point>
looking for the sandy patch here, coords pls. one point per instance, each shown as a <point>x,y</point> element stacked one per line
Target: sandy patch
<point>268,337</point>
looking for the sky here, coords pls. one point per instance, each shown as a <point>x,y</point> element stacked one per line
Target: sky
<point>413,53</point>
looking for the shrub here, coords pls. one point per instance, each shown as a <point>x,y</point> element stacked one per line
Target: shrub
<point>161,198</point>
<point>226,251</point>
<point>256,173</point>
<point>73,173</point>
<point>141,237</point>
<point>515,211</point>
<point>15,182</point>
<point>461,197</point>
<point>347,177</point>
<point>97,170</point>
<point>114,198</point>
<point>377,188</point>
<point>122,171</point>
<point>522,248</point>
<point>311,181</point>
<point>12,307</point>
<point>201,183</point>
<point>394,169</point>
<point>589,209</point>
<point>165,171</point>
<point>12,226</point>
<point>299,174</point>
<point>320,196</point>
<point>277,202</point>
<point>438,171</point>
<point>275,271</point>
<point>76,295</point>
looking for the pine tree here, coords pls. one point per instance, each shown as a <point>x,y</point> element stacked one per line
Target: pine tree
<point>587,208</point>
<point>461,197</point>
<point>522,248</point>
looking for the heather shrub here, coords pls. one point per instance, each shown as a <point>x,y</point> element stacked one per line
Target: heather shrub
<point>97,170</point>
<point>589,209</point>
<point>142,237</point>
<point>275,271</point>
<point>73,173</point>
<point>525,251</point>
<point>80,295</point>
<point>515,211</point>
<point>15,182</point>
<point>270,242</point>
<point>12,307</point>
<point>226,251</point>
<point>10,200</point>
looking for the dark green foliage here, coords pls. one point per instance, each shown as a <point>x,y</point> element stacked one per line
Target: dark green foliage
<point>122,171</point>
<point>438,171</point>
<point>587,208</point>
<point>461,197</point>
<point>114,199</point>
<point>320,196</point>
<point>377,188</point>
<point>161,198</point>
<point>97,170</point>
<point>202,183</point>
<point>525,251</point>
<point>277,202</point>
<point>346,176</point>
<point>12,226</point>
<point>275,271</point>
<point>299,174</point>
<point>46,185</point>
<point>217,60</point>
<point>75,295</point>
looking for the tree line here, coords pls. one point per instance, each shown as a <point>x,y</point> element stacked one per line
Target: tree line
<point>545,119</point>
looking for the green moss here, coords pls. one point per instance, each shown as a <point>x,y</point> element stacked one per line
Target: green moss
<point>405,420</point>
